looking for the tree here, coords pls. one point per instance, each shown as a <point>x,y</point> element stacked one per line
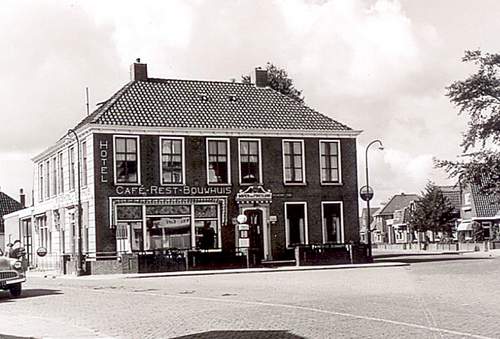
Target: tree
<point>278,80</point>
<point>433,212</point>
<point>479,97</point>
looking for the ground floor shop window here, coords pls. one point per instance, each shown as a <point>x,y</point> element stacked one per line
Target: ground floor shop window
<point>296,223</point>
<point>168,232</point>
<point>206,226</point>
<point>332,222</point>
<point>155,227</point>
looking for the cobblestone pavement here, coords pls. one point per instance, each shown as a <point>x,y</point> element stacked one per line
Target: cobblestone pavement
<point>438,296</point>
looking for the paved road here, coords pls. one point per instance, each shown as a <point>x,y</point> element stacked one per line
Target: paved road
<point>436,297</point>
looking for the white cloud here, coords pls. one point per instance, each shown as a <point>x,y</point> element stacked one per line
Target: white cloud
<point>380,66</point>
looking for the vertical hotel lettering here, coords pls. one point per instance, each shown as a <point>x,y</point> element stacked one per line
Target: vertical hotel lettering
<point>103,157</point>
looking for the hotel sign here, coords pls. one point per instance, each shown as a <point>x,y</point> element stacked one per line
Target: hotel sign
<point>172,190</point>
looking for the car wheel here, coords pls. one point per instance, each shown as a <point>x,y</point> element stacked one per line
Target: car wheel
<point>15,290</point>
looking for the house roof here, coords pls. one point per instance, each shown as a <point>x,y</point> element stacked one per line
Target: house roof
<point>485,205</point>
<point>175,103</point>
<point>397,202</point>
<point>452,193</point>
<point>8,205</point>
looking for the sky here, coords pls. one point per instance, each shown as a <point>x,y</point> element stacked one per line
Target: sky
<point>380,66</point>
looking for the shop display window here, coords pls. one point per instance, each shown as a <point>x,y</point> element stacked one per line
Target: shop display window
<point>168,232</point>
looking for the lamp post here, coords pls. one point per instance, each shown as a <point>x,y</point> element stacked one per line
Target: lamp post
<point>79,269</point>
<point>368,227</point>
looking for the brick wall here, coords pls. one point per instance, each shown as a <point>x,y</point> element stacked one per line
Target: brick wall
<point>313,193</point>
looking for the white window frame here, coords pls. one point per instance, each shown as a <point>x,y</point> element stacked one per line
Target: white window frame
<point>71,167</point>
<point>306,222</point>
<point>41,181</point>
<point>326,183</point>
<point>48,182</point>
<point>261,181</point>
<point>323,226</point>
<point>219,226</point>
<point>228,161</point>
<point>60,172</point>
<point>303,162</point>
<point>53,173</point>
<point>137,137</point>
<point>84,164</point>
<point>183,181</point>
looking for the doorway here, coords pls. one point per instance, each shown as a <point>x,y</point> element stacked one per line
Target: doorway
<point>255,221</point>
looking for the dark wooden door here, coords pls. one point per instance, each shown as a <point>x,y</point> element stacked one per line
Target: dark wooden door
<point>256,235</point>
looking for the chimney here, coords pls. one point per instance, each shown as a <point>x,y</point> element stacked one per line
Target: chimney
<point>22,197</point>
<point>261,77</point>
<point>138,71</point>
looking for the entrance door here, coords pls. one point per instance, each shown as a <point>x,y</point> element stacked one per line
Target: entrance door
<point>256,235</point>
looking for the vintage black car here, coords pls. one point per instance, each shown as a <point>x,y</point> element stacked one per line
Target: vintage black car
<point>12,272</point>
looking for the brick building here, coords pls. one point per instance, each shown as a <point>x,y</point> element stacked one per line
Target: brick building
<point>171,164</point>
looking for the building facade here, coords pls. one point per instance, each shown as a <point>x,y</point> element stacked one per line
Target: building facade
<point>170,164</point>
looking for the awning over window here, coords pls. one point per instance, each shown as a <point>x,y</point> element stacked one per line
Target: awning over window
<point>465,226</point>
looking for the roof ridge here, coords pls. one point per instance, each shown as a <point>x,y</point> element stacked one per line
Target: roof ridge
<point>164,80</point>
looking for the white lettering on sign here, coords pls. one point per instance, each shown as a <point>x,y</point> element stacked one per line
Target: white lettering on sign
<point>175,190</point>
<point>103,157</point>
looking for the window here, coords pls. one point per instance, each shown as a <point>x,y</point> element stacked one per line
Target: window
<point>71,164</point>
<point>129,228</point>
<point>54,176</point>
<point>47,179</point>
<point>40,182</point>
<point>172,160</point>
<point>250,161</point>
<point>296,223</point>
<point>60,181</point>
<point>218,161</point>
<point>293,162</point>
<point>330,161</point>
<point>206,226</point>
<point>43,233</point>
<point>84,163</point>
<point>333,223</point>
<point>126,160</point>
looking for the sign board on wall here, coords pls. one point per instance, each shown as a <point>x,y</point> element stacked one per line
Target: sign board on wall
<point>172,190</point>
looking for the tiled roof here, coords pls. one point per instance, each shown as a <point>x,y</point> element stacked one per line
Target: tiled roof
<point>452,193</point>
<point>485,205</point>
<point>207,105</point>
<point>8,205</point>
<point>399,201</point>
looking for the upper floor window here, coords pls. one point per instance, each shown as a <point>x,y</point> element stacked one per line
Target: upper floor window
<point>60,181</point>
<point>293,162</point>
<point>71,163</point>
<point>54,176</point>
<point>218,161</point>
<point>126,160</point>
<point>172,160</point>
<point>84,163</point>
<point>47,178</point>
<point>40,182</point>
<point>330,161</point>
<point>250,162</point>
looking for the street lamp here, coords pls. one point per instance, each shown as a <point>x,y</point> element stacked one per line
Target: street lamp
<point>368,227</point>
<point>79,269</point>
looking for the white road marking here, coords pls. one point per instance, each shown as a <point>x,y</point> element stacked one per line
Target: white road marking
<point>296,307</point>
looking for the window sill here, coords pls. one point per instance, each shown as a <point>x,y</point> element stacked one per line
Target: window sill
<point>252,184</point>
<point>127,184</point>
<point>214,184</point>
<point>295,183</point>
<point>173,185</point>
<point>332,184</point>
